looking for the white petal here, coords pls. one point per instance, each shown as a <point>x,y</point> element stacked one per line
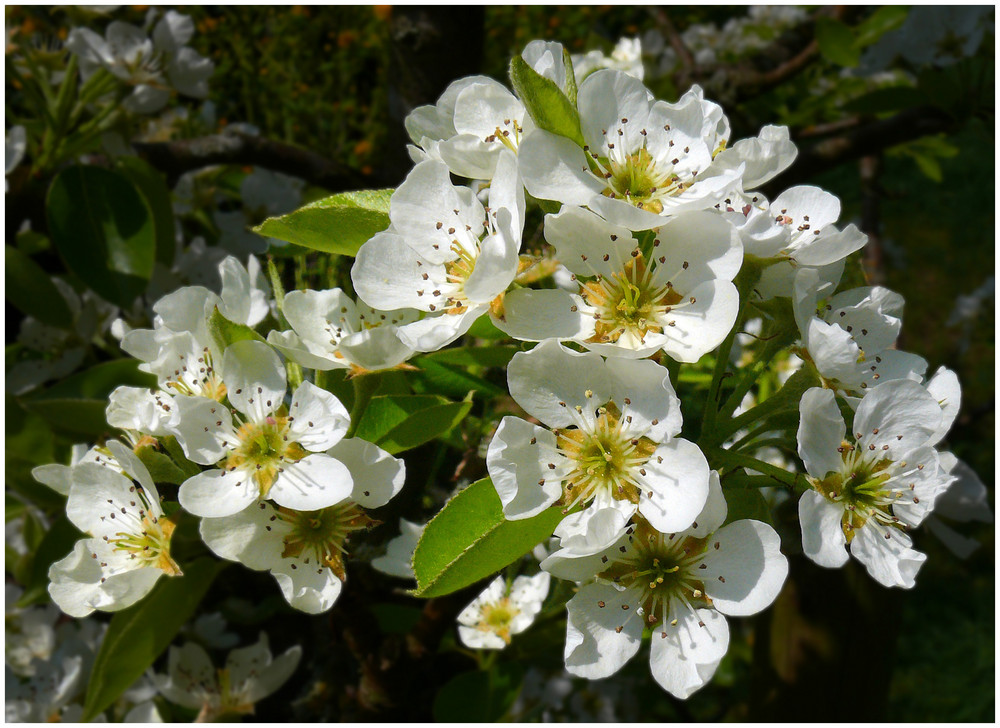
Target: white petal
<point>550,380</point>
<point>202,440</point>
<point>134,408</point>
<point>945,388</point>
<point>58,477</point>
<point>244,537</point>
<point>889,561</point>
<point>698,246</point>
<point>315,482</point>
<point>254,377</point>
<point>687,657</point>
<point>826,249</point>
<point>651,397</point>
<point>289,344</point>
<point>701,326</point>
<point>821,432</point>
<point>479,639</point>
<point>388,274</point>
<point>675,490</point>
<point>582,239</point>
<point>555,168</point>
<point>495,268</point>
<point>377,475</point>
<point>217,493</point>
<point>272,677</point>
<point>435,331</point>
<point>767,155</point>
<point>309,590</point>
<point>823,538</point>
<point>241,301</point>
<point>584,540</point>
<point>713,515</point>
<point>896,417</point>
<point>374,349</point>
<point>518,469</point>
<point>536,315</point>
<point>319,420</point>
<point>749,560</point>
<point>595,647</point>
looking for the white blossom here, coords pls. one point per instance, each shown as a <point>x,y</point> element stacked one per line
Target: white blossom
<point>678,296</point>
<point>304,550</point>
<point>502,611</point>
<point>444,253</point>
<point>129,545</point>
<point>609,437</point>
<point>626,57</point>
<point>250,675</point>
<point>15,145</point>
<point>150,65</point>
<point>643,159</point>
<point>331,331</point>
<point>679,585</point>
<point>263,450</point>
<point>965,500</point>
<point>872,486</point>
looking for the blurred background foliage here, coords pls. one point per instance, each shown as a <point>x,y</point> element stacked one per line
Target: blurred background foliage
<point>338,81</point>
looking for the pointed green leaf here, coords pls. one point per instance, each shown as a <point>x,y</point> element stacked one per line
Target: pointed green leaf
<point>103,229</point>
<point>339,224</point>
<point>153,187</point>
<point>547,104</point>
<point>226,332</point>
<point>55,544</point>
<point>470,539</point>
<point>401,422</point>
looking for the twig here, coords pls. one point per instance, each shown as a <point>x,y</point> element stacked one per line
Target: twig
<point>177,157</point>
<point>670,30</point>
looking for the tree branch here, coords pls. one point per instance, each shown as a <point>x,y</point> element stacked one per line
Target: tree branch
<point>866,139</point>
<point>185,155</point>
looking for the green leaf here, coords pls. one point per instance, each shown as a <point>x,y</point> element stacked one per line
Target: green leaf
<point>547,104</point>
<point>401,422</point>
<point>451,380</point>
<point>57,542</point>
<point>153,187</point>
<point>32,291</point>
<point>339,224</point>
<point>886,18</point>
<point>467,356</point>
<point>470,539</point>
<point>140,634</point>
<point>161,468</point>
<point>836,42</point>
<point>226,332</point>
<point>479,697</point>
<point>103,229</point>
<point>484,328</point>
<point>571,88</point>
<point>746,503</point>
<point>929,166</point>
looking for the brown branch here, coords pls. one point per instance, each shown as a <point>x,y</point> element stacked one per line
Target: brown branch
<point>867,139</point>
<point>186,155</point>
<point>670,30</point>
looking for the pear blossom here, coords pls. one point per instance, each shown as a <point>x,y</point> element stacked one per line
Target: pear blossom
<point>870,488</point>
<point>501,611</point>
<point>263,449</point>
<point>250,675</point>
<point>304,550</point>
<point>263,194</point>
<point>681,586</point>
<point>444,253</point>
<point>795,231</point>
<point>29,632</point>
<point>609,438</point>
<point>331,331</point>
<point>398,558</point>
<point>473,122</point>
<point>150,65</point>
<point>129,545</point>
<point>643,159</point>
<point>849,341</point>
<point>677,296</point>
<point>626,57</point>
<point>45,696</point>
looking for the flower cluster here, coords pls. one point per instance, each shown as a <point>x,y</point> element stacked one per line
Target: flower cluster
<point>668,284</point>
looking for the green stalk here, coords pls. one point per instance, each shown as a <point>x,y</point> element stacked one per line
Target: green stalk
<point>751,373</point>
